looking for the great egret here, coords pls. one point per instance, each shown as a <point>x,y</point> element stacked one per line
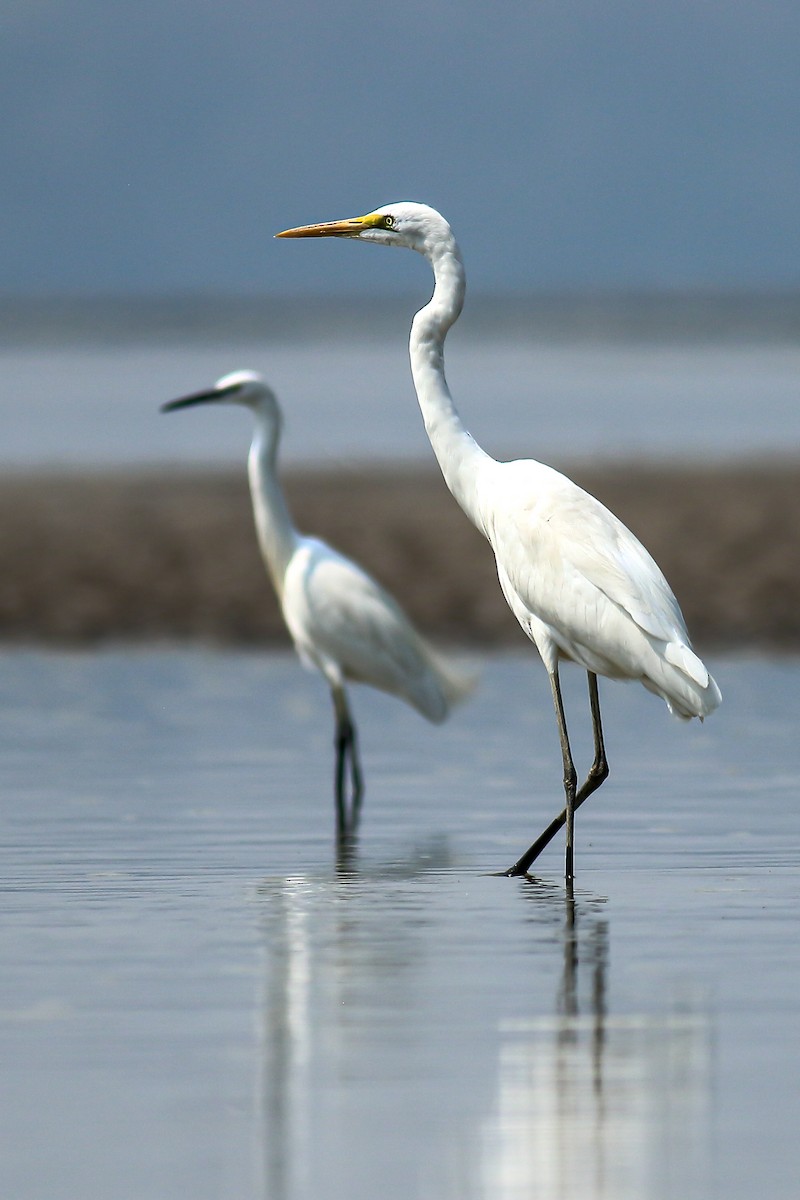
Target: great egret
<point>341,621</point>
<point>580,584</point>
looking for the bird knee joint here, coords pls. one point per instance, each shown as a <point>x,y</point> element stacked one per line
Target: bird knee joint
<point>599,771</point>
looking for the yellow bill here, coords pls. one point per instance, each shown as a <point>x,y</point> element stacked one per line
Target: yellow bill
<point>351,227</point>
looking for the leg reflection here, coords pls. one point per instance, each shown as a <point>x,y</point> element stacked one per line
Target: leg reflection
<point>593,1103</point>
<point>347,847</point>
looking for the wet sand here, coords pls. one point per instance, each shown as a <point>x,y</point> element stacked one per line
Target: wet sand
<point>157,556</point>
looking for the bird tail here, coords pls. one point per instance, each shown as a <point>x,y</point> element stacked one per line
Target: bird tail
<point>684,683</point>
<point>448,684</point>
<point>458,682</point>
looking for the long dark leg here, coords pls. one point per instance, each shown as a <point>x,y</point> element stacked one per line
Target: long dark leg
<point>346,754</point>
<point>570,778</point>
<point>598,773</point>
<point>340,745</point>
<point>356,777</point>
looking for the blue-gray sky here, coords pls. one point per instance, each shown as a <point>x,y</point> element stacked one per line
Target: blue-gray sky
<point>156,145</point>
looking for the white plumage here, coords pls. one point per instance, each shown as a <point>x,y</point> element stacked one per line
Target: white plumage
<point>340,620</point>
<point>344,624</point>
<point>585,589</point>
<point>580,584</point>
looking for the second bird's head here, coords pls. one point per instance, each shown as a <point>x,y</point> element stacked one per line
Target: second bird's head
<point>238,387</point>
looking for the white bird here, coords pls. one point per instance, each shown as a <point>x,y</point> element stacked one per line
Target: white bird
<point>340,620</point>
<point>580,584</point>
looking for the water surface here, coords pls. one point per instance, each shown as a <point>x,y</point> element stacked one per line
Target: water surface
<point>351,401</point>
<point>198,999</point>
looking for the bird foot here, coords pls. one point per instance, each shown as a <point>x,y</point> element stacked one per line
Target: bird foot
<point>515,872</point>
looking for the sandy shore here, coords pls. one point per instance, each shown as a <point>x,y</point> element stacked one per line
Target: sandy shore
<point>148,556</point>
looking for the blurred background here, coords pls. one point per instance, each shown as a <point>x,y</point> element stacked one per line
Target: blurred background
<point>197,992</point>
<point>153,148</point>
<point>624,181</point>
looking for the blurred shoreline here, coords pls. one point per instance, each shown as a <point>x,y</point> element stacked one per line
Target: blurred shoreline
<point>769,315</point>
<point>151,555</point>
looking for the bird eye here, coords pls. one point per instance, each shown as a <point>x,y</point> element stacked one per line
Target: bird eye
<point>388,221</point>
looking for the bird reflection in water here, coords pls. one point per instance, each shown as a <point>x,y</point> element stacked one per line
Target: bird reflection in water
<point>326,945</point>
<point>605,1107</point>
<point>404,1039</point>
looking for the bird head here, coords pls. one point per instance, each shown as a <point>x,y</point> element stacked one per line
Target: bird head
<point>416,226</point>
<point>239,387</point>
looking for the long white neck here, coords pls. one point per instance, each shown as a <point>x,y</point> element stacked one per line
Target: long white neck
<point>460,457</point>
<point>277,537</point>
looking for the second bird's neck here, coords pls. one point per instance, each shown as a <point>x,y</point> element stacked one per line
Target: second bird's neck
<point>277,537</point>
<point>459,456</point>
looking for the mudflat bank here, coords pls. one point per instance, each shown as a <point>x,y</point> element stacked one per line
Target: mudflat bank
<point>150,555</point>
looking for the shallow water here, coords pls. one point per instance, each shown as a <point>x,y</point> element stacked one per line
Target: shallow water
<point>197,1000</point>
<point>97,406</point>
